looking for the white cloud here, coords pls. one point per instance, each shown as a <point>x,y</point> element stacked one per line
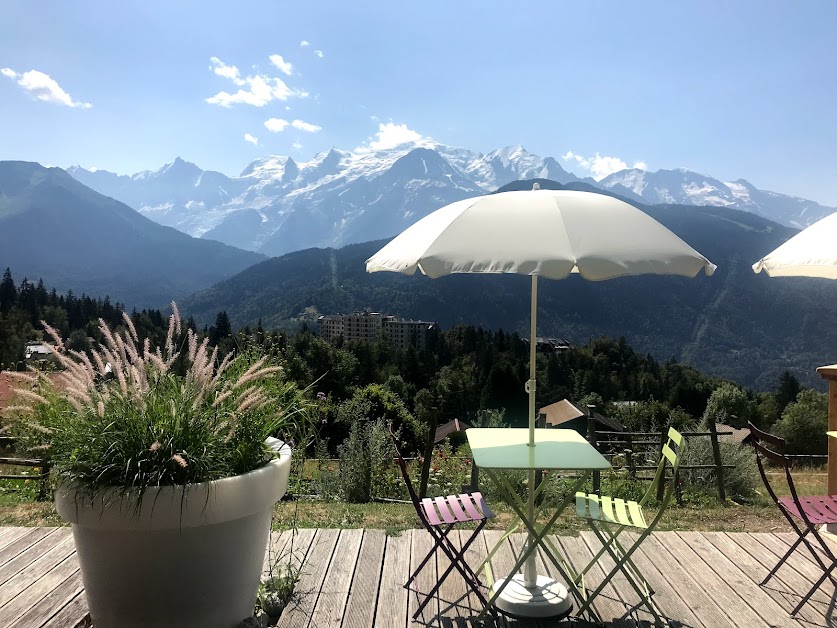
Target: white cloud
<point>251,138</point>
<point>390,134</point>
<point>227,71</point>
<point>296,145</point>
<point>319,53</point>
<point>257,90</point>
<point>600,166</point>
<point>304,43</point>
<point>275,125</point>
<point>306,126</point>
<point>283,66</point>
<point>43,87</point>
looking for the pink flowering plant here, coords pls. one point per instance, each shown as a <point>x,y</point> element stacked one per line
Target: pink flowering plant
<point>133,417</point>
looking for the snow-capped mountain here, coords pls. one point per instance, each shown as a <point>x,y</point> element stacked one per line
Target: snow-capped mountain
<point>686,187</point>
<point>277,205</point>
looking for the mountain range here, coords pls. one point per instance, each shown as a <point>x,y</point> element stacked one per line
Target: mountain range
<point>736,324</point>
<point>277,205</point>
<point>54,228</point>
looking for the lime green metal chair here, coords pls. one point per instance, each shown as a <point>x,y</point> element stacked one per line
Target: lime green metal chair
<point>609,517</point>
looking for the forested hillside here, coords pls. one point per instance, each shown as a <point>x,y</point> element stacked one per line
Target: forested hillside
<point>738,325</point>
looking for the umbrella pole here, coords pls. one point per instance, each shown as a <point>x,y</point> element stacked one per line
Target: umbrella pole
<point>530,574</point>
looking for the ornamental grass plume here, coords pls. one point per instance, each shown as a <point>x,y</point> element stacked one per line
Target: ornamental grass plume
<point>134,417</point>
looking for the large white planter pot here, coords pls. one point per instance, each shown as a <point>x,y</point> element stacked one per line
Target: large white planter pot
<point>185,558</point>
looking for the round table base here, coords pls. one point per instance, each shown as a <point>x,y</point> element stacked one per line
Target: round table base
<point>548,598</point>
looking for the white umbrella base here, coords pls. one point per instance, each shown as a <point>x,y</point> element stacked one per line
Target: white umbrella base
<point>548,598</point>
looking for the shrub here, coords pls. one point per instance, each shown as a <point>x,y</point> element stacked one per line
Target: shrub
<point>740,482</point>
<point>804,423</point>
<point>124,418</point>
<point>356,464</point>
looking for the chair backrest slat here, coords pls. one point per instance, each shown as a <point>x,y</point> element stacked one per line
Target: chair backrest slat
<point>668,452</point>
<point>406,476</point>
<point>776,455</point>
<point>672,453</point>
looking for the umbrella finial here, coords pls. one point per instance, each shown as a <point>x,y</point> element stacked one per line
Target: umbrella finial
<point>536,186</point>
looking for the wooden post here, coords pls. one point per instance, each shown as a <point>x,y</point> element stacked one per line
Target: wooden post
<point>629,456</point>
<point>719,464</point>
<point>830,373</point>
<point>475,478</point>
<point>661,487</point>
<point>428,452</point>
<point>42,490</point>
<point>593,440</point>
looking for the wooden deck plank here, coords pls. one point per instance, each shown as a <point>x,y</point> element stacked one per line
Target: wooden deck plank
<point>734,577</point>
<point>800,563</point>
<point>354,578</point>
<point>736,609</point>
<point>28,556</point>
<point>7,535</point>
<point>393,599</point>
<point>23,542</point>
<point>474,556</point>
<point>667,594</point>
<point>422,544</point>
<point>13,610</point>
<point>71,615</point>
<point>688,584</point>
<point>275,550</point>
<point>45,608</point>
<point>756,562</point>
<point>366,581</point>
<point>331,604</point>
<point>314,572</point>
<point>37,569</point>
<point>608,605</point>
<point>501,564</point>
<point>799,572</point>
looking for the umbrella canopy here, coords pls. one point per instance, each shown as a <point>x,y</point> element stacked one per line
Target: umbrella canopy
<point>550,233</point>
<point>810,253</point>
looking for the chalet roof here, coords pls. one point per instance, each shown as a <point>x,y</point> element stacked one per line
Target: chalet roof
<point>443,431</point>
<point>565,410</point>
<point>739,435</point>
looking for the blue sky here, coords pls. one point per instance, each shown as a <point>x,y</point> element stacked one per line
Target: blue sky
<point>732,89</point>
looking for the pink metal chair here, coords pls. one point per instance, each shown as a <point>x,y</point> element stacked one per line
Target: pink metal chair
<point>440,515</point>
<point>803,513</point>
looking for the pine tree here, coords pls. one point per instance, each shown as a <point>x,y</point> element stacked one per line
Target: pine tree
<point>8,292</point>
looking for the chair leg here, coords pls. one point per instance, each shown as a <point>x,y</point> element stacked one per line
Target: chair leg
<point>826,574</point>
<point>801,537</point>
<point>621,560</point>
<point>457,561</point>
<point>437,540</point>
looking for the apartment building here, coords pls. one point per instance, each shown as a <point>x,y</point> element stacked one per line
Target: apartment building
<point>370,326</point>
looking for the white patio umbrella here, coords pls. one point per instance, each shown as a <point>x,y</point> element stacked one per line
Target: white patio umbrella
<point>810,253</point>
<point>549,233</point>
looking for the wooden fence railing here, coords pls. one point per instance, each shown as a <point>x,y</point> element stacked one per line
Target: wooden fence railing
<point>611,443</point>
<point>42,476</point>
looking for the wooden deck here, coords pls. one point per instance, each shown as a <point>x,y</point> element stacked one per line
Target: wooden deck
<point>352,579</point>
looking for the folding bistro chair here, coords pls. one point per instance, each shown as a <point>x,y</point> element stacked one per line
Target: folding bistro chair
<point>609,517</point>
<point>439,515</point>
<point>803,513</point>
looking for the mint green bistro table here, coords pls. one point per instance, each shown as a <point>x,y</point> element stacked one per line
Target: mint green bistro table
<point>527,594</point>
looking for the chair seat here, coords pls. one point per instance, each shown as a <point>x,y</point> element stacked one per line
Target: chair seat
<point>819,509</point>
<point>455,509</point>
<point>604,508</point>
